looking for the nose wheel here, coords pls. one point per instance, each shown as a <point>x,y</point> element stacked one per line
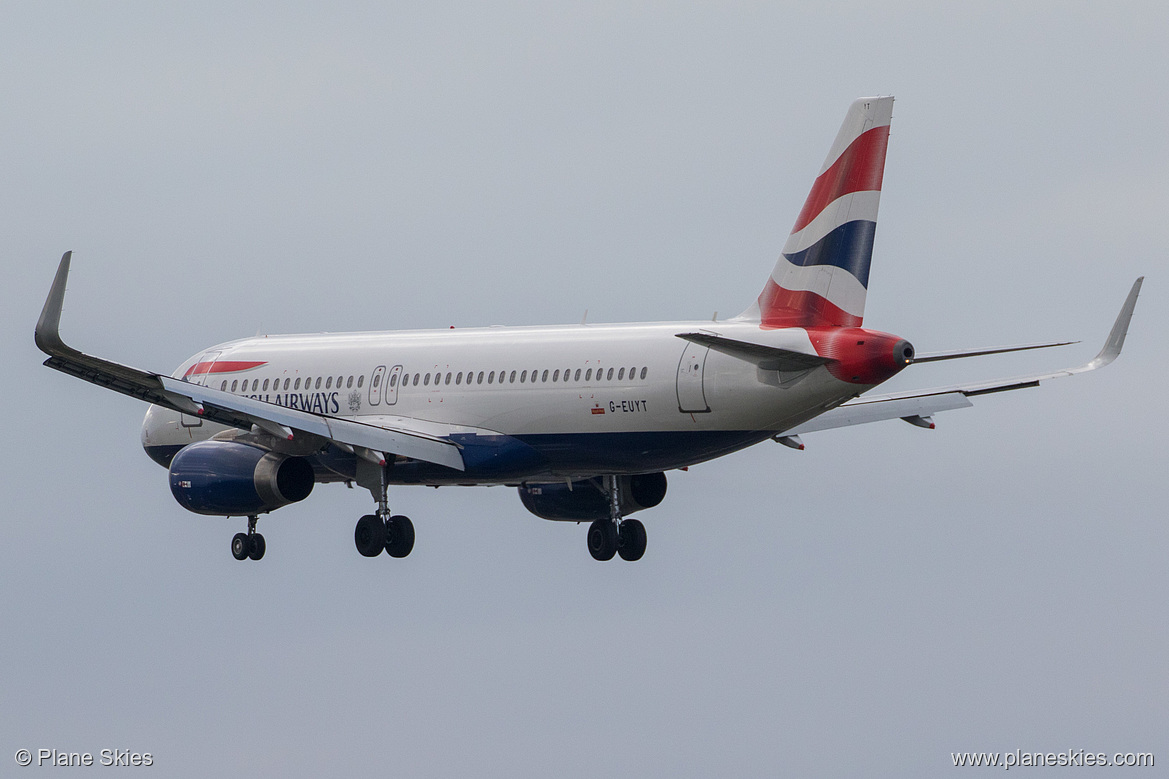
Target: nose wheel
<point>249,545</point>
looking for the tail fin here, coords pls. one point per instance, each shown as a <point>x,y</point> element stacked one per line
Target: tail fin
<point>823,275</point>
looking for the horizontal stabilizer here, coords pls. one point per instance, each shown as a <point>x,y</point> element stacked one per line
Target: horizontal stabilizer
<point>939,356</point>
<point>770,358</point>
<point>922,403</point>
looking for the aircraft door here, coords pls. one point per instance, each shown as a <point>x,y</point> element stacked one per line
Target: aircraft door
<point>199,373</point>
<point>691,395</point>
<point>392,385</point>
<point>375,385</point>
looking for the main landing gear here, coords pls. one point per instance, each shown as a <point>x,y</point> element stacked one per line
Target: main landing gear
<point>375,532</point>
<point>250,544</point>
<point>607,537</point>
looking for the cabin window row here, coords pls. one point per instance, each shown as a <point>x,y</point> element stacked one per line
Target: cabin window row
<point>292,384</point>
<point>516,376</point>
<point>426,379</point>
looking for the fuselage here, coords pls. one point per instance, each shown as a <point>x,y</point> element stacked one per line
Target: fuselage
<point>526,402</point>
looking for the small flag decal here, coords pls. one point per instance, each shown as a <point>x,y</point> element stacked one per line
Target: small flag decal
<point>598,410</point>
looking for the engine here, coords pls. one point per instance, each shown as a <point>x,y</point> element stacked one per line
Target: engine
<point>233,479</point>
<point>587,501</point>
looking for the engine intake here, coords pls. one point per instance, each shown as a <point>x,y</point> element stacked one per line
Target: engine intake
<point>587,501</point>
<point>224,478</point>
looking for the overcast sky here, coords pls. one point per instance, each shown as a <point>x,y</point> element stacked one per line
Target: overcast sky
<point>866,607</point>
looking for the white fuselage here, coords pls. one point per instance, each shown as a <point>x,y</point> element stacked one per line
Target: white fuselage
<point>623,398</point>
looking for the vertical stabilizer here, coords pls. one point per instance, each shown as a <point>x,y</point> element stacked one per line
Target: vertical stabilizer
<point>822,276</point>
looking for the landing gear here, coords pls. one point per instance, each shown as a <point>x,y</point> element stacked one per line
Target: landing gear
<point>375,532</point>
<point>370,535</point>
<point>399,536</point>
<point>615,535</point>
<point>248,545</point>
<point>631,540</point>
<point>603,540</point>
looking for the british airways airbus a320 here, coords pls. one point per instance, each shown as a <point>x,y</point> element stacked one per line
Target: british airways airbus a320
<point>584,420</point>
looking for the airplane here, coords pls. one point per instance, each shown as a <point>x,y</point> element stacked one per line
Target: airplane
<point>584,420</point>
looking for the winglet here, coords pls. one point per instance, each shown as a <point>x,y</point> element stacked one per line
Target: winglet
<point>1115,340</point>
<point>48,332</point>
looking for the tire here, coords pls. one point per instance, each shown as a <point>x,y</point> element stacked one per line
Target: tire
<point>370,535</point>
<point>602,540</point>
<point>631,540</point>
<point>256,547</point>
<point>240,546</point>
<point>399,536</point>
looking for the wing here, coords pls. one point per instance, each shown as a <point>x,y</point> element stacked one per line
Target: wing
<point>915,407</point>
<point>232,410</point>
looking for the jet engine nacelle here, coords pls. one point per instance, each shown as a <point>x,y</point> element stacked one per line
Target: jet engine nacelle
<point>587,501</point>
<point>231,479</point>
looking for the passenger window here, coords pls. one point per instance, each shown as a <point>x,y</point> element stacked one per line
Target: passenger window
<point>296,384</point>
<point>589,375</point>
<point>224,385</point>
<point>555,376</point>
<point>609,375</point>
<point>523,376</point>
<point>329,383</point>
<point>318,386</point>
<point>426,380</point>
<point>643,371</point>
<point>349,383</point>
<point>491,377</point>
<point>480,380</point>
<point>576,376</point>
<point>393,380</point>
<point>620,374</point>
<point>631,372</point>
<point>415,379</point>
<point>459,378</point>
<point>566,372</point>
<point>511,379</point>
<point>448,379</point>
<point>360,381</point>
<point>266,384</point>
<point>255,384</point>
<point>234,384</point>
<point>545,376</point>
<point>377,381</point>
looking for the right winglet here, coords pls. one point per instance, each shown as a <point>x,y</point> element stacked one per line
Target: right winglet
<point>1115,342</point>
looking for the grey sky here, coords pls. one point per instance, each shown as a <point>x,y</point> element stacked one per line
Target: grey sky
<point>867,606</point>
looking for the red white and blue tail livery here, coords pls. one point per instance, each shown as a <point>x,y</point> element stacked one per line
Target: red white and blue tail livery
<point>823,274</point>
<point>584,420</point>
